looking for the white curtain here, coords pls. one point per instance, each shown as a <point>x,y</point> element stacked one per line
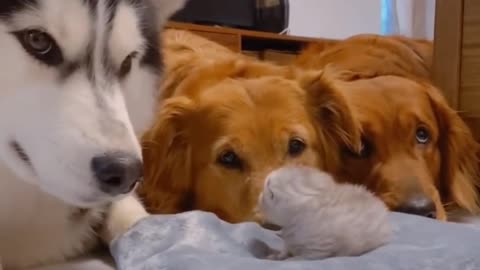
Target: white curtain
<point>413,18</point>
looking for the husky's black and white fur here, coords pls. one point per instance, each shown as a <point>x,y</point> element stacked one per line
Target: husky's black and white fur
<point>78,82</point>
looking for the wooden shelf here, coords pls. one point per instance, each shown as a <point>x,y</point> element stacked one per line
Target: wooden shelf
<point>239,40</point>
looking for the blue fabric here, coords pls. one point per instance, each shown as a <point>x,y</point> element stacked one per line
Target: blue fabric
<point>200,241</point>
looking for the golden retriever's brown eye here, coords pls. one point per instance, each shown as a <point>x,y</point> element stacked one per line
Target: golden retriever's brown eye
<point>229,159</point>
<point>296,146</point>
<point>422,135</point>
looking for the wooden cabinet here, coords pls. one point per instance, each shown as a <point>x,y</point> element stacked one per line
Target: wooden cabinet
<point>456,63</point>
<point>266,46</point>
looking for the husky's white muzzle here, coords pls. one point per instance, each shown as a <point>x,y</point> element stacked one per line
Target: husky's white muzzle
<point>71,140</point>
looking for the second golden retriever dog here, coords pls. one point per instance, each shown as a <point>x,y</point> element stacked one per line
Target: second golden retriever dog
<point>375,54</point>
<point>226,123</point>
<point>418,155</point>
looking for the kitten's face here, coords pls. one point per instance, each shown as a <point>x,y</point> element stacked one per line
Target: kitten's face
<point>288,190</point>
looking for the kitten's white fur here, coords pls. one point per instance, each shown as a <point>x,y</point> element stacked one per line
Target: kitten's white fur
<point>321,218</point>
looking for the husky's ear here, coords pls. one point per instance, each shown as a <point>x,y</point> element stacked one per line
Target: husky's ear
<point>166,8</point>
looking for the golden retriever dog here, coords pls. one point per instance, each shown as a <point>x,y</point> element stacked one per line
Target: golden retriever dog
<point>227,121</point>
<point>418,155</point>
<point>375,54</point>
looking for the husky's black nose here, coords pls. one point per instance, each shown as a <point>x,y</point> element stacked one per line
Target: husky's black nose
<point>117,172</point>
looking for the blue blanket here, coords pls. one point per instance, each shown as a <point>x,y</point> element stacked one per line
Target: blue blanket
<point>200,241</point>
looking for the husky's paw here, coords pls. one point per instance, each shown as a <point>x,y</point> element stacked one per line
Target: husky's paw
<point>122,215</point>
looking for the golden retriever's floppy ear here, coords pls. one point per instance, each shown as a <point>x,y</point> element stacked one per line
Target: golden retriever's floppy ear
<point>459,150</point>
<point>167,158</point>
<point>330,109</point>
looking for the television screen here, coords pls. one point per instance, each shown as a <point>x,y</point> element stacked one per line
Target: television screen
<point>232,13</point>
<point>261,15</point>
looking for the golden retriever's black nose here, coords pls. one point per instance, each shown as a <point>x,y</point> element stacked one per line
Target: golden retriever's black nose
<point>117,172</point>
<point>419,205</point>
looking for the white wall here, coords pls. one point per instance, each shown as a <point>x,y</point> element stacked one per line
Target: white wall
<point>334,18</point>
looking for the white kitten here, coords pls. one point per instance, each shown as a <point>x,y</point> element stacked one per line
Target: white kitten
<point>321,218</point>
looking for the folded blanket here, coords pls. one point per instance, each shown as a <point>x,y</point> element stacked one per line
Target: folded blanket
<point>200,241</point>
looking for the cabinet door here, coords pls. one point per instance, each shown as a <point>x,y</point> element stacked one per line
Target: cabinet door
<point>448,48</point>
<point>469,96</point>
<point>456,63</point>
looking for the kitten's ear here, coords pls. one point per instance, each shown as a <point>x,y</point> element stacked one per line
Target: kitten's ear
<point>166,8</point>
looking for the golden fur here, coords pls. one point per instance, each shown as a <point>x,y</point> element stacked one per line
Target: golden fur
<point>375,54</point>
<point>228,120</point>
<point>391,98</point>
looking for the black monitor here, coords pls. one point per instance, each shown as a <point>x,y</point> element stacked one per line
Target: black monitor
<point>261,15</point>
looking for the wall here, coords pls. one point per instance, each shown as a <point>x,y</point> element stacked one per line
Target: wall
<point>342,18</point>
<point>334,18</point>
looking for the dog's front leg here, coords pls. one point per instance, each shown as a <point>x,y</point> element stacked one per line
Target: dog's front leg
<point>122,215</point>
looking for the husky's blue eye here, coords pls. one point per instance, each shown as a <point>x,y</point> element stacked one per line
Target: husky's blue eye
<point>40,45</point>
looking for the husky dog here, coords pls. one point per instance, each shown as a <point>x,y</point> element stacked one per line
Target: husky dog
<point>78,82</point>
<point>320,218</point>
